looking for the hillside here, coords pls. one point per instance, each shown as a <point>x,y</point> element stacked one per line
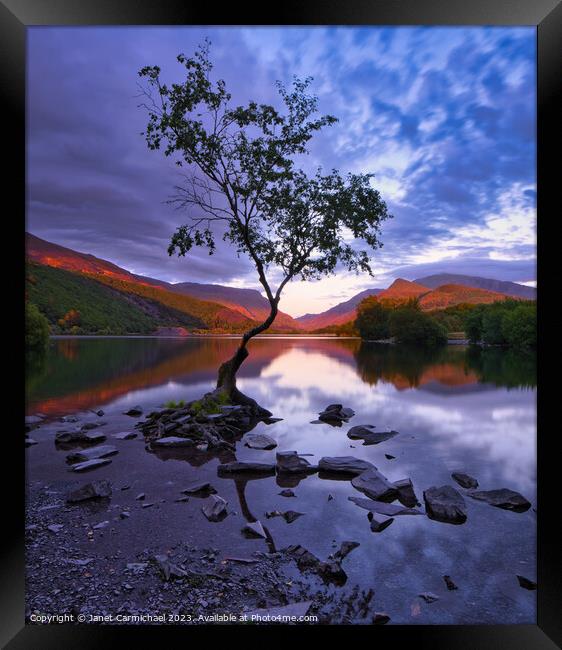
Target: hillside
<point>403,290</point>
<point>455,294</point>
<point>341,313</point>
<point>500,286</point>
<point>101,309</point>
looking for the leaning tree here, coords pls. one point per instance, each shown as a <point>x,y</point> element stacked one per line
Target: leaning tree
<point>241,182</point>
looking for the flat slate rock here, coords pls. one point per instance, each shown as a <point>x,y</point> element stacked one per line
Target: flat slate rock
<point>379,524</point>
<point>199,488</point>
<point>173,441</point>
<point>383,508</point>
<point>375,485</point>
<point>90,464</point>
<point>289,462</point>
<point>464,480</point>
<point>93,436</point>
<point>259,441</point>
<point>241,467</point>
<point>93,490</point>
<point>344,550</point>
<point>344,465</point>
<point>445,504</point>
<point>215,508</point>
<point>29,442</point>
<point>125,435</point>
<point>503,498</point>
<point>367,433</point>
<point>406,494</point>
<point>272,613</point>
<point>429,597</point>
<point>102,451</point>
<point>526,583</point>
<point>135,411</point>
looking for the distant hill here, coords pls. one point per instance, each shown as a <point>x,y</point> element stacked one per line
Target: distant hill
<point>499,286</point>
<point>403,290</point>
<point>341,313</point>
<point>449,295</point>
<point>204,306</point>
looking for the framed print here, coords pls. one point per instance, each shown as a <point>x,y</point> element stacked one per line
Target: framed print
<point>281,339</point>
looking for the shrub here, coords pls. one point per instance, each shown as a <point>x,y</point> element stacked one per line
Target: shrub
<point>36,329</point>
<point>372,319</point>
<point>519,326</point>
<point>410,325</point>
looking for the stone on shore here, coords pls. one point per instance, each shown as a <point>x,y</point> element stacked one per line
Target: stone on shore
<point>259,441</point>
<point>240,467</point>
<point>383,508</point>
<point>367,433</point>
<point>406,494</point>
<point>29,442</point>
<point>503,498</point>
<point>344,550</point>
<point>102,451</point>
<point>336,414</point>
<point>445,504</point>
<point>125,435</point>
<point>375,485</point>
<point>215,508</point>
<point>287,493</point>
<point>93,490</point>
<point>464,480</point>
<point>135,411</point>
<point>429,597</point>
<point>289,462</point>
<point>90,464</point>
<point>526,583</point>
<point>168,569</point>
<point>378,524</point>
<point>173,441</point>
<point>348,465</point>
<point>199,488</point>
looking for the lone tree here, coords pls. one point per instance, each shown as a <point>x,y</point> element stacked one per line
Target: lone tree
<point>242,183</point>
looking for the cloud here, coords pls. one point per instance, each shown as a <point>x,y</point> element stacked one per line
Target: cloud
<point>444,117</point>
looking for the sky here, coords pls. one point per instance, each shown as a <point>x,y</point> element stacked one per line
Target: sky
<point>443,116</point>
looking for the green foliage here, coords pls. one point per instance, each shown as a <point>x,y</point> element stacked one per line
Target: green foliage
<point>209,405</point>
<point>410,325</point>
<point>372,320</point>
<point>454,318</point>
<point>510,322</point>
<point>174,405</point>
<point>243,180</point>
<point>36,330</point>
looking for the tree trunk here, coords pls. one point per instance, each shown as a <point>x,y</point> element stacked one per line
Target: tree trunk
<point>226,380</point>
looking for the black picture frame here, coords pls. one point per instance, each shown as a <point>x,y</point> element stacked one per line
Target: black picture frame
<point>546,15</point>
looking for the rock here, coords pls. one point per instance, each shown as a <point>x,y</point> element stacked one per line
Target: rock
<point>464,480</point>
<point>92,425</point>
<point>173,441</point>
<point>124,515</point>
<point>90,464</point>
<point>168,569</point>
<point>451,586</point>
<point>375,485</point>
<point>406,494</point>
<point>102,524</point>
<point>199,489</point>
<point>79,562</point>
<point>344,550</point>
<point>503,498</point>
<point>389,456</point>
<point>271,420</point>
<point>55,528</point>
<point>29,442</point>
<point>330,497</point>
<point>378,524</point>
<point>140,497</point>
<point>348,465</point>
<point>90,454</point>
<point>526,583</point>
<point>259,441</point>
<point>68,418</point>
<point>230,409</point>
<point>215,508</point>
<point>382,508</point>
<point>125,435</point>
<point>445,504</point>
<point>290,515</point>
<point>271,614</point>
<point>380,618</point>
<point>240,467</point>
<point>134,412</point>
<point>289,462</point>
<point>93,490</point>
<point>336,414</point>
<point>287,493</point>
<point>92,436</point>
<point>367,433</point>
<point>429,597</point>
<point>331,571</point>
<point>33,419</point>
<point>137,567</point>
<point>99,413</point>
<point>147,505</point>
<point>254,529</point>
<point>303,557</point>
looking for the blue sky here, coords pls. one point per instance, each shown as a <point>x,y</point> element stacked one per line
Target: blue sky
<point>444,118</point>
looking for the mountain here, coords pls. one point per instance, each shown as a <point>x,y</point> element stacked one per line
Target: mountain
<point>449,295</point>
<point>500,286</point>
<point>248,302</point>
<point>341,313</point>
<point>403,290</point>
<point>194,306</point>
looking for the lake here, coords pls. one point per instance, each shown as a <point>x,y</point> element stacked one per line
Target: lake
<point>455,408</point>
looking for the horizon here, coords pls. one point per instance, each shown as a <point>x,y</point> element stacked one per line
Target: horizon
<point>444,117</point>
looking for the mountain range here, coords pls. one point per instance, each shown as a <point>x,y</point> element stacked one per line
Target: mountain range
<point>110,299</point>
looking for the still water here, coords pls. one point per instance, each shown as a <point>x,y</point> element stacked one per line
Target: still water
<point>456,409</point>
